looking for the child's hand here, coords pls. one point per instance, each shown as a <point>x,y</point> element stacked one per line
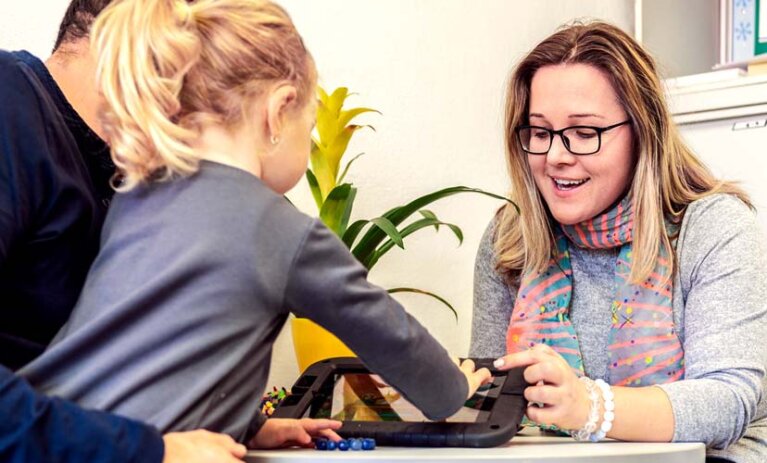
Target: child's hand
<point>287,432</point>
<point>474,378</point>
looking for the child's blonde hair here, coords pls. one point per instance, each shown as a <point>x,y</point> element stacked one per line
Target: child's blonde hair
<point>166,66</point>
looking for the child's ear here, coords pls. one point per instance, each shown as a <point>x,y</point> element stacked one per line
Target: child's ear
<point>278,102</point>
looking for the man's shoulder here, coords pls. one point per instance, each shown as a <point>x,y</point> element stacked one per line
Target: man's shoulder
<point>12,70</point>
<point>20,86</point>
<point>8,58</point>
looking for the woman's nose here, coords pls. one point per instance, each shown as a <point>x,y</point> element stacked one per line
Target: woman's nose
<point>558,153</point>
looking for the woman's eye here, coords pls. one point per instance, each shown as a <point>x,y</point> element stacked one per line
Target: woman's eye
<point>585,133</point>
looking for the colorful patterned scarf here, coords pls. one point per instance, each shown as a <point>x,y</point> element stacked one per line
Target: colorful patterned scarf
<point>644,348</point>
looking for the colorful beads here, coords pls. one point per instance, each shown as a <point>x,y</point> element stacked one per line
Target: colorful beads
<point>271,400</point>
<point>345,444</point>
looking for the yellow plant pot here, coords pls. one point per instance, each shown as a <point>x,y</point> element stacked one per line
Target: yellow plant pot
<point>313,343</point>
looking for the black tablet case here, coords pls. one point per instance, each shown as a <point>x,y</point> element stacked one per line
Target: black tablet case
<point>500,426</point>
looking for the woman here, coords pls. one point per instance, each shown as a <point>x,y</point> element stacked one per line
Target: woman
<point>631,285</point>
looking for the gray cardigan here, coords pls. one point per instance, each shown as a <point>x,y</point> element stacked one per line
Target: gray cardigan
<point>719,301</point>
<point>193,282</point>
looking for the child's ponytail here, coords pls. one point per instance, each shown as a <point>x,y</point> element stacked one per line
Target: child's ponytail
<point>168,67</point>
<point>145,48</point>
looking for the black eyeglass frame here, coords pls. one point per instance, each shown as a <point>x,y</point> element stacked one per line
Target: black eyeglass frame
<point>565,141</point>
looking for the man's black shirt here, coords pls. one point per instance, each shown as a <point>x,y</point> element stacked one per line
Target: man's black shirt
<point>54,191</point>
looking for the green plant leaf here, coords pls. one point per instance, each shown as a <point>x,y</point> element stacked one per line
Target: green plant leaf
<point>456,231</point>
<point>408,230</point>
<point>347,213</point>
<point>337,208</point>
<point>373,237</point>
<point>387,228</point>
<point>314,187</point>
<point>425,293</point>
<point>353,231</point>
<point>346,169</point>
<point>429,215</point>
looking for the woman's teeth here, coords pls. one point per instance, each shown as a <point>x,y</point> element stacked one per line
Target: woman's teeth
<point>568,184</point>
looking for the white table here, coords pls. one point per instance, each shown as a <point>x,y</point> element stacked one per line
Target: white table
<point>528,446</point>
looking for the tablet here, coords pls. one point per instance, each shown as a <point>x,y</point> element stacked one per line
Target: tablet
<point>343,389</point>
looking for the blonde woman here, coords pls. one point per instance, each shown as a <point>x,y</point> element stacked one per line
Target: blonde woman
<point>631,287</point>
<point>210,106</point>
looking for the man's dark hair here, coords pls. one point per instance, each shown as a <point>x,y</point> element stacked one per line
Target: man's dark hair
<point>78,20</point>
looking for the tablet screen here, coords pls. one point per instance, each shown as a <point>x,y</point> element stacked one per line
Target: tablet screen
<point>366,397</point>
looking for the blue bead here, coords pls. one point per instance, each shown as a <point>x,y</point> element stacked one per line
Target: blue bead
<point>332,445</point>
<point>343,445</point>
<point>355,444</point>
<point>321,444</point>
<point>368,444</point>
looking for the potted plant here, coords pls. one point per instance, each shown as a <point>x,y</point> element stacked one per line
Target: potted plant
<point>367,239</point>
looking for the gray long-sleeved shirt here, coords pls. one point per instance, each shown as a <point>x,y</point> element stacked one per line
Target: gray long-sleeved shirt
<point>719,305</point>
<point>193,282</point>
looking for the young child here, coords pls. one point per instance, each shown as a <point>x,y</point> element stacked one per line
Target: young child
<point>209,112</point>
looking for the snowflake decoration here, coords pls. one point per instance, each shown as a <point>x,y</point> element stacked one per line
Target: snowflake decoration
<point>743,31</point>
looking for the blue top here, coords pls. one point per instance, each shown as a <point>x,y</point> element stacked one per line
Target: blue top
<point>54,188</point>
<point>35,428</point>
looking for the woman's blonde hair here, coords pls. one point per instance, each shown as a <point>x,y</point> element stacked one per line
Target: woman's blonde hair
<point>167,66</point>
<point>667,177</point>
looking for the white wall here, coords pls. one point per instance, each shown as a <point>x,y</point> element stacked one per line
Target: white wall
<point>436,70</point>
<point>31,25</point>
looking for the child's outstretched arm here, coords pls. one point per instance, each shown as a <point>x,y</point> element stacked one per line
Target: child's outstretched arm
<point>327,285</point>
<point>286,432</point>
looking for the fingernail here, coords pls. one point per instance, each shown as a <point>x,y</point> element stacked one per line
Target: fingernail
<point>499,363</point>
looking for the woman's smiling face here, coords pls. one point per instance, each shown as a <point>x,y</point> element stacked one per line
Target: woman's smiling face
<point>577,188</point>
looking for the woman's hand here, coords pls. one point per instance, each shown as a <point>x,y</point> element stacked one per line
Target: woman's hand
<point>287,432</point>
<point>554,385</point>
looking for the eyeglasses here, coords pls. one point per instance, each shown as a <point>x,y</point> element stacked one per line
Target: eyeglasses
<point>578,139</point>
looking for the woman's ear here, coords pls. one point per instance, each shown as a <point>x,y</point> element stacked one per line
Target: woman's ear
<point>278,102</point>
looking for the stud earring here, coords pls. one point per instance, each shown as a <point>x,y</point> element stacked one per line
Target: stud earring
<point>275,139</point>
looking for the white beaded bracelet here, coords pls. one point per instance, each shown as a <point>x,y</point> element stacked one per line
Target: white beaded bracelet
<point>585,433</point>
<point>609,414</point>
